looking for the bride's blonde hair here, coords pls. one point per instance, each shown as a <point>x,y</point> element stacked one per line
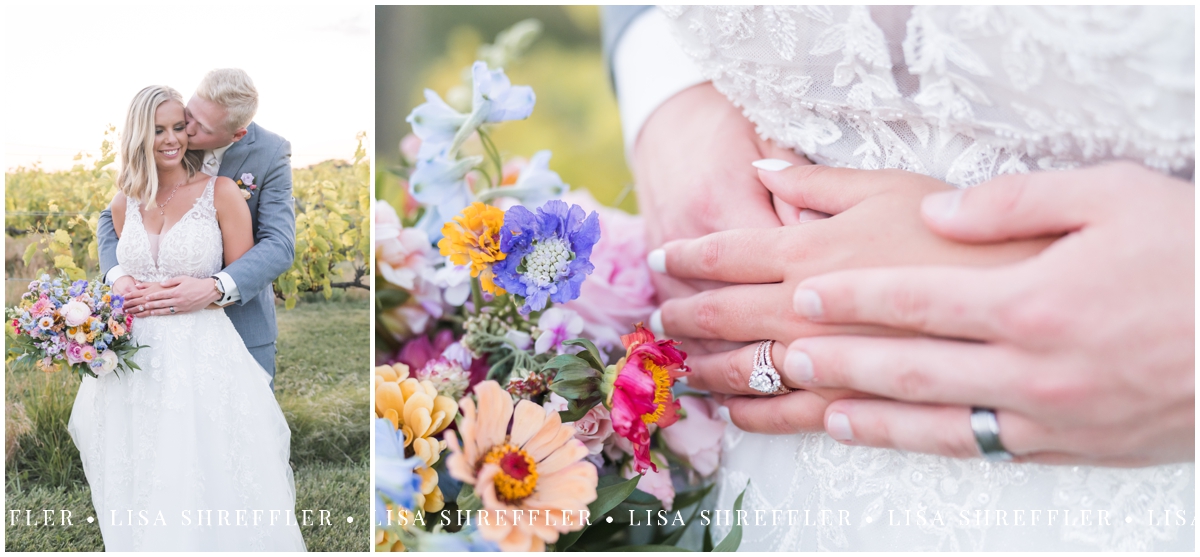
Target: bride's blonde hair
<point>138,177</point>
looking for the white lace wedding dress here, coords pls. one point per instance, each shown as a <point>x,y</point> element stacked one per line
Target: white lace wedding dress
<point>189,453</point>
<point>961,94</point>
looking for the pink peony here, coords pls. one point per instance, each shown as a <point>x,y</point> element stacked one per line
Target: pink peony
<point>75,353</point>
<point>402,254</point>
<point>697,438</point>
<point>41,307</point>
<point>594,428</point>
<point>618,293</point>
<point>657,482</point>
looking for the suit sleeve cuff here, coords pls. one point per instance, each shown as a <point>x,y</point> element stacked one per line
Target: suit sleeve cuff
<point>116,272</point>
<point>231,291</point>
<point>649,67</point>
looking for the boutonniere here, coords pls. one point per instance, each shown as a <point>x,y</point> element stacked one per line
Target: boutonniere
<point>247,185</point>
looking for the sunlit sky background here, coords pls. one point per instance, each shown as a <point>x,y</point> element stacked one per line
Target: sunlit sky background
<point>70,71</point>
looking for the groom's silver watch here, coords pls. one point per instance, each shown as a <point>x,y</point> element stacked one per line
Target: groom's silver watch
<point>221,302</point>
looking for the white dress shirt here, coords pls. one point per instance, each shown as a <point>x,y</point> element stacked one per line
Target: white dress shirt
<point>211,165</point>
<point>649,67</point>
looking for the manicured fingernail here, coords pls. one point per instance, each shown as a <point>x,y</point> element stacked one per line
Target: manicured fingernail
<point>941,206</point>
<point>807,303</point>
<point>657,260</point>
<point>656,323</point>
<point>798,366</point>
<point>838,427</point>
<point>723,412</point>
<point>771,165</point>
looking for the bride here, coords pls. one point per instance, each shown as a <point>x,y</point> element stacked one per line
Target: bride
<point>190,452</point>
<point>957,94</point>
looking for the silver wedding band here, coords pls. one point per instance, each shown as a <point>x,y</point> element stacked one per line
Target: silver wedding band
<point>987,434</point>
<point>172,310</point>
<point>765,378</point>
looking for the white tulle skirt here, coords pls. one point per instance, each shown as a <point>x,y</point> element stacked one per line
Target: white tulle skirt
<point>190,453</point>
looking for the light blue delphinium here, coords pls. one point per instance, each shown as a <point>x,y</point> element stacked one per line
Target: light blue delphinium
<point>497,98</point>
<point>535,185</point>
<point>394,477</point>
<point>464,541</point>
<point>436,124</point>
<point>441,185</point>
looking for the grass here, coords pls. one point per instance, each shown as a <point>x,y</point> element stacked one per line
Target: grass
<point>321,384</point>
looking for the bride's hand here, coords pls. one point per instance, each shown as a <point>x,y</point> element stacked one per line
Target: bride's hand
<point>1086,352</point>
<point>692,168</point>
<point>876,221</point>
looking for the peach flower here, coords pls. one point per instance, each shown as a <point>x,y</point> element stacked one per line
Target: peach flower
<point>539,467</point>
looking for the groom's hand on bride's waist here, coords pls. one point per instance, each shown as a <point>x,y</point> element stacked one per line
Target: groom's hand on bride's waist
<point>180,294</point>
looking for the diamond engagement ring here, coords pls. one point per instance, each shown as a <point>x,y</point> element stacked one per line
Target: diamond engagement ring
<point>172,310</point>
<point>765,378</point>
<point>987,434</point>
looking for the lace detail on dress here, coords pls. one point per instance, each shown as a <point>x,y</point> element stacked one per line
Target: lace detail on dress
<point>191,247</point>
<point>196,428</point>
<point>958,93</point>
<point>962,94</point>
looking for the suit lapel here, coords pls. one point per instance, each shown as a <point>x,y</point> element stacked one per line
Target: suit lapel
<point>235,157</point>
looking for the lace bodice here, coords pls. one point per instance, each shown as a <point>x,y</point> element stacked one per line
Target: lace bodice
<point>958,93</point>
<point>192,247</point>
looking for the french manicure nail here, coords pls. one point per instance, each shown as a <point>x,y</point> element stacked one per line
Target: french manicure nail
<point>943,205</point>
<point>656,323</point>
<point>723,412</point>
<point>798,366</point>
<point>771,165</point>
<point>657,260</point>
<point>807,303</point>
<point>838,427</point>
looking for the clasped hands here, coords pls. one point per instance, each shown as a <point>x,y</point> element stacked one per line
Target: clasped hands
<point>184,294</point>
<point>1063,300</point>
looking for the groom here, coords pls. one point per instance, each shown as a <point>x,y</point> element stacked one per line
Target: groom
<point>219,122</point>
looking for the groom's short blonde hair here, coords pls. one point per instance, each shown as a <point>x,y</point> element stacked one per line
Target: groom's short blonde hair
<point>232,89</point>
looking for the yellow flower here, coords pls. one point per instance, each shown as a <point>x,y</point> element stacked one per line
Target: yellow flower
<point>429,498</point>
<point>537,465</point>
<point>474,237</point>
<point>388,539</point>
<point>414,408</point>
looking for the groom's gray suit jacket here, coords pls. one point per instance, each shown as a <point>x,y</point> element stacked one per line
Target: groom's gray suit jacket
<point>268,157</point>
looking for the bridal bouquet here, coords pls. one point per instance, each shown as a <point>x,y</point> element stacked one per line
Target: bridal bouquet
<point>521,405</point>
<point>80,324</point>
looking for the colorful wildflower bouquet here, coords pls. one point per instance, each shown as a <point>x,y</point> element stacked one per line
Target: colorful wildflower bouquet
<point>520,404</point>
<point>80,324</point>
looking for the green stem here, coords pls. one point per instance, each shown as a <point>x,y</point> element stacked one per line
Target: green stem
<point>477,295</point>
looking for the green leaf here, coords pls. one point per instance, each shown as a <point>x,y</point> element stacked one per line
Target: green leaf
<point>590,354</point>
<point>649,548</point>
<point>576,411</point>
<point>29,252</point>
<point>734,539</point>
<point>708,545</point>
<point>606,499</point>
<point>682,501</point>
<point>468,500</point>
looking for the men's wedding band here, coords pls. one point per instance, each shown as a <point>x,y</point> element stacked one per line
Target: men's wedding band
<point>765,378</point>
<point>987,434</point>
<point>172,310</point>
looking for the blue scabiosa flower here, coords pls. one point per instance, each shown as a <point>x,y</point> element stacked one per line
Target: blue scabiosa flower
<point>547,253</point>
<point>77,288</point>
<point>495,98</point>
<point>394,477</point>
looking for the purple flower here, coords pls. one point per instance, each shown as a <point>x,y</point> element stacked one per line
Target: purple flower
<point>117,302</point>
<point>547,253</point>
<point>77,288</point>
